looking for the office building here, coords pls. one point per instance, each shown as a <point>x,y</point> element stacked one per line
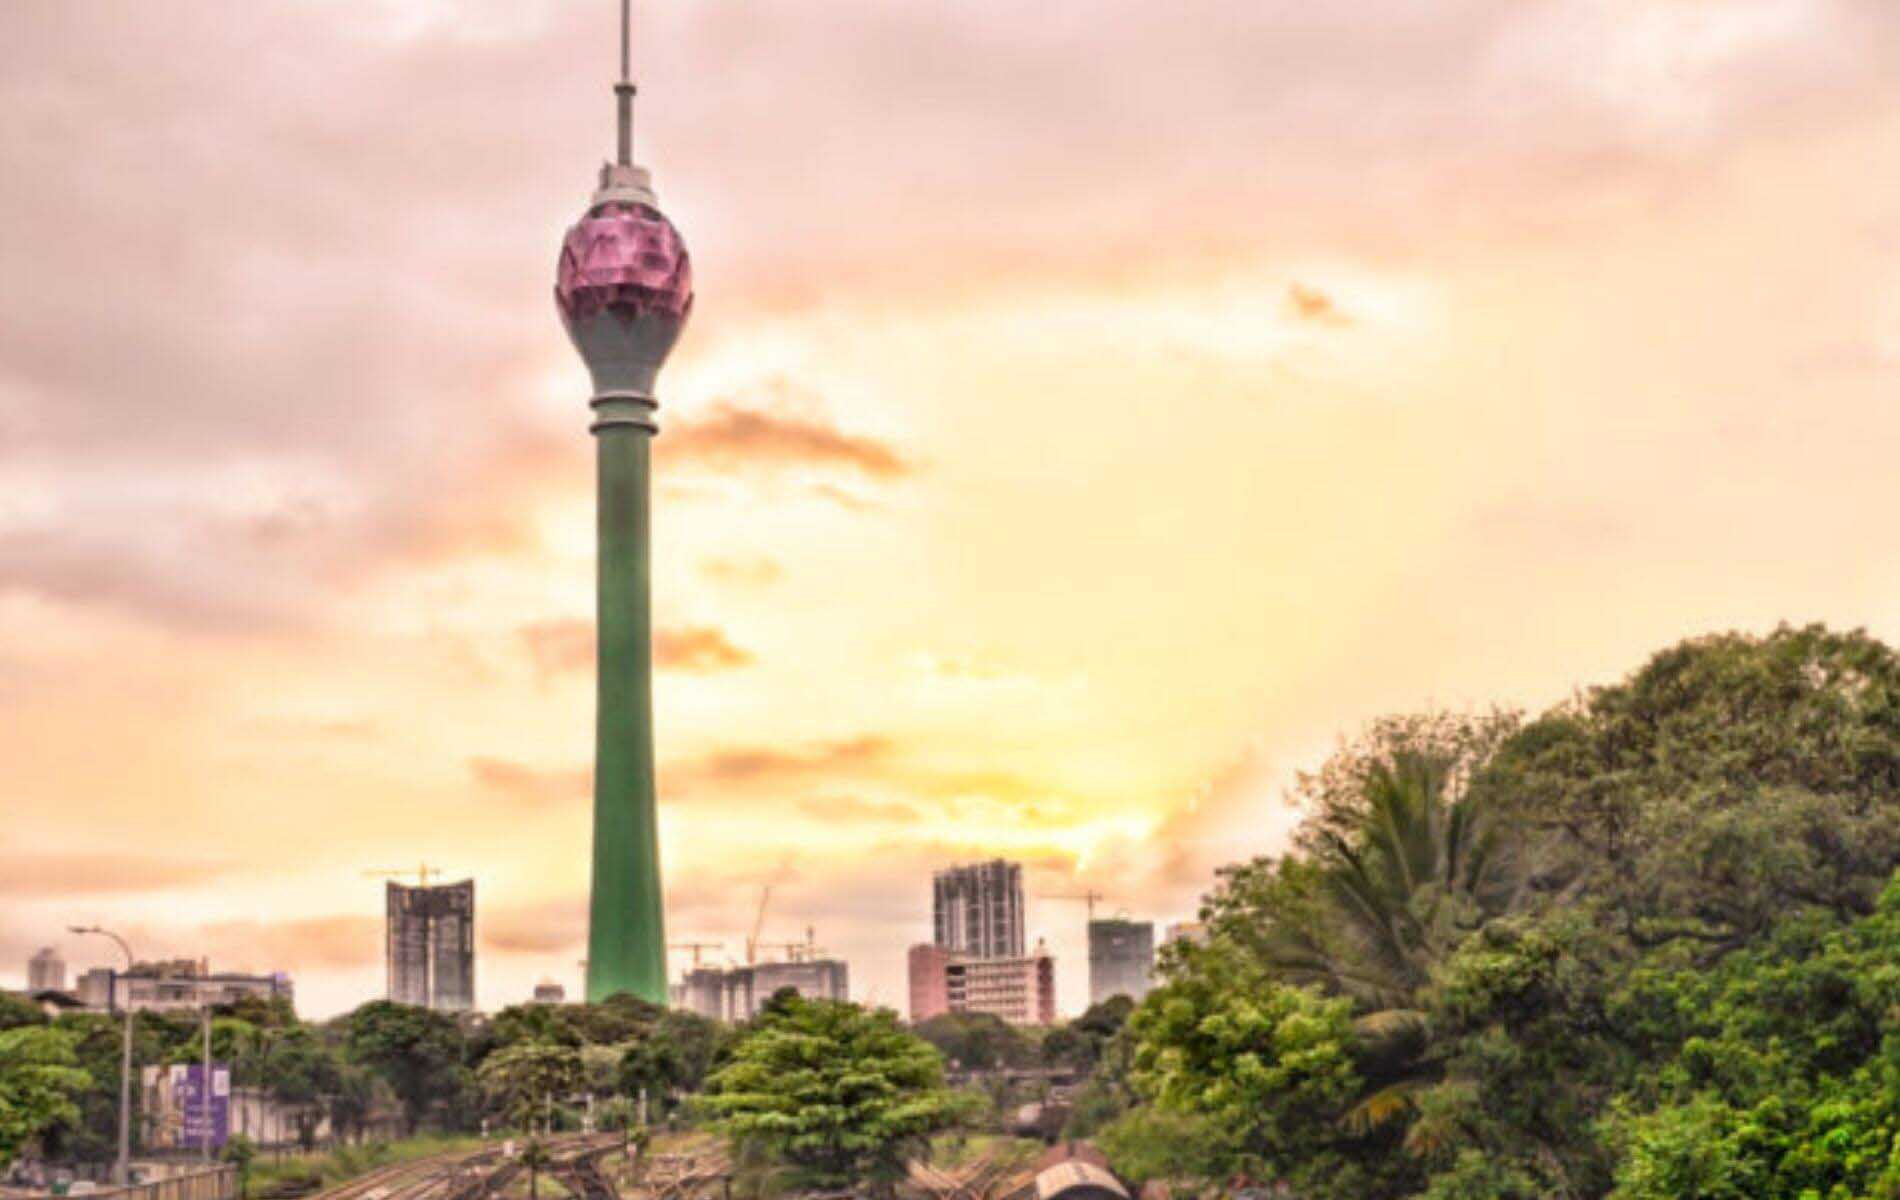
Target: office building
<point>177,984</point>
<point>431,945</point>
<point>46,972</point>
<point>929,981</point>
<point>978,910</point>
<point>1021,990</point>
<point>738,993</point>
<point>1121,959</point>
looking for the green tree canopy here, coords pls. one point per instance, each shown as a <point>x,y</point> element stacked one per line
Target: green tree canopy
<point>977,1041</point>
<point>841,1094</point>
<point>416,1051</point>
<point>524,1080</point>
<point>17,1010</point>
<point>39,1077</point>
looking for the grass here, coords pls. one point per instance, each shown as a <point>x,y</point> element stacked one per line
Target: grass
<point>301,1174</point>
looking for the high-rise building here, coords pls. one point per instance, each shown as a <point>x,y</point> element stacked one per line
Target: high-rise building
<point>549,992</point>
<point>1121,959</point>
<point>1020,990</point>
<point>978,909</point>
<point>46,972</point>
<point>738,993</point>
<point>431,945</point>
<point>624,287</point>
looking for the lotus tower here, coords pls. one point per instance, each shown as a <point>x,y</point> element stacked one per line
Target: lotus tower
<point>624,290</point>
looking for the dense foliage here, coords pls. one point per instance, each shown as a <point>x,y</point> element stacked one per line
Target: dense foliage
<point>839,1093</point>
<point>1646,945</point>
<point>39,1076</point>
<point>381,1066</point>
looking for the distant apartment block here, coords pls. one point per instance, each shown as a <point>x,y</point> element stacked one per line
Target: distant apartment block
<point>181,983</point>
<point>738,993</point>
<point>978,910</point>
<point>1020,990</point>
<point>1121,959</point>
<point>46,972</point>
<point>549,992</point>
<point>431,945</point>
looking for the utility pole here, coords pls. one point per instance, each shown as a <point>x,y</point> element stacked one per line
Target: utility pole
<point>204,1082</point>
<point>122,1170</point>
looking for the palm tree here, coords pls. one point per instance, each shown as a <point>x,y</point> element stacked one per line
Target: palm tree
<point>1405,859</point>
<point>1392,880</point>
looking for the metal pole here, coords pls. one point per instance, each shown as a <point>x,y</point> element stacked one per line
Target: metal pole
<point>204,1085</point>
<point>623,90</point>
<point>122,1170</point>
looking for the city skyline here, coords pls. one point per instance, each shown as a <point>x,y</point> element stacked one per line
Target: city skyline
<point>1075,443</point>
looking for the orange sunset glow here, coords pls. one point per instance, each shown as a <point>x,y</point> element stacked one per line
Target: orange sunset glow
<point>1091,412</point>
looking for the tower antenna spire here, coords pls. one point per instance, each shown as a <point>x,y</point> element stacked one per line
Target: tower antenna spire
<point>624,89</point>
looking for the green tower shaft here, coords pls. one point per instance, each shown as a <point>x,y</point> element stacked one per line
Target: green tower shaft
<point>626,928</point>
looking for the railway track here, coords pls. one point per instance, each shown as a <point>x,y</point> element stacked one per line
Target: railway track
<point>459,1175</point>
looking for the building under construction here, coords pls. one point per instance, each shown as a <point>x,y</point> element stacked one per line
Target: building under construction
<point>738,993</point>
<point>431,946</point>
<point>1121,959</point>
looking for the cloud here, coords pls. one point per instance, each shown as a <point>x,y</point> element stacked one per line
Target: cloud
<point>546,928</point>
<point>559,646</point>
<point>732,437</point>
<point>761,766</point>
<point>529,786</point>
<point>310,942</point>
<point>852,809</point>
<point>753,572</point>
<point>699,648</point>
<point>40,874</point>
<point>1311,304</point>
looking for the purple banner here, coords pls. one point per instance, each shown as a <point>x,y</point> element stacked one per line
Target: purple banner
<point>188,1091</point>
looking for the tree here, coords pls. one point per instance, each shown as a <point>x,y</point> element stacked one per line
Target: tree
<point>524,1080</point>
<point>1729,780</point>
<point>16,1011</point>
<point>416,1051</point>
<point>977,1041</point>
<point>672,1058</point>
<point>302,1074</point>
<point>1081,1042</point>
<point>39,1076</point>
<point>1402,853</point>
<point>240,1151</point>
<point>1267,1065</point>
<point>840,1094</point>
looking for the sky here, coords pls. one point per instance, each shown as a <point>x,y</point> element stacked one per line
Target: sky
<point>1091,413</point>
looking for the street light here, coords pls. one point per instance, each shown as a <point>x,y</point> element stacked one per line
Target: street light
<point>123,1170</point>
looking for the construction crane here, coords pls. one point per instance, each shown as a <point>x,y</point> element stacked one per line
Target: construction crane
<point>694,948</point>
<point>758,927</point>
<point>791,949</point>
<point>1088,897</point>
<point>421,872</point>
